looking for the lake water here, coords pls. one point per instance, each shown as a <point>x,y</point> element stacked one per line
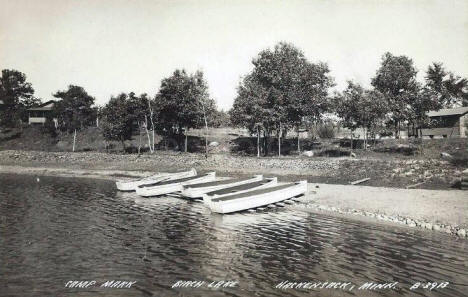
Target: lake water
<point>56,230</point>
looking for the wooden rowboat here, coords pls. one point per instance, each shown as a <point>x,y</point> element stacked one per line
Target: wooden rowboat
<point>257,198</point>
<point>171,186</point>
<point>162,176</point>
<point>261,184</point>
<point>197,190</point>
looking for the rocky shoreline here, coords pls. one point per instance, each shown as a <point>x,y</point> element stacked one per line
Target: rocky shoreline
<point>413,223</point>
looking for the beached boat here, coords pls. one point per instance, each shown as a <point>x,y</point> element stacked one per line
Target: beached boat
<point>257,198</point>
<point>162,176</point>
<point>171,186</point>
<point>261,184</point>
<point>197,190</point>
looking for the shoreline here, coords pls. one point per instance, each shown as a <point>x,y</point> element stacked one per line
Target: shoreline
<point>437,210</point>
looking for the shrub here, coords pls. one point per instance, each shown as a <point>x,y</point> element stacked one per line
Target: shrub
<point>326,130</point>
<point>49,128</point>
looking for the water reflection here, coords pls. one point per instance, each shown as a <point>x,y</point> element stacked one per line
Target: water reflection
<point>62,229</point>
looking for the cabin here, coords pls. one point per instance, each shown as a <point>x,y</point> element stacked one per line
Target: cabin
<point>39,114</point>
<point>446,123</point>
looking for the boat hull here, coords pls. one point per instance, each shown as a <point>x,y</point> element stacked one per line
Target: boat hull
<point>197,192</point>
<point>132,185</point>
<point>271,183</point>
<point>159,190</point>
<point>258,200</point>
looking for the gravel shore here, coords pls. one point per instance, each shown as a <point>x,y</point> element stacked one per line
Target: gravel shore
<point>396,173</point>
<point>439,210</point>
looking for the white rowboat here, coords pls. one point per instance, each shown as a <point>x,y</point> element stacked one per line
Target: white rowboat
<point>171,186</point>
<point>257,198</point>
<point>197,190</point>
<point>262,184</point>
<point>162,176</point>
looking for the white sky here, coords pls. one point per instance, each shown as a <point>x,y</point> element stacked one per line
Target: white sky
<point>121,46</point>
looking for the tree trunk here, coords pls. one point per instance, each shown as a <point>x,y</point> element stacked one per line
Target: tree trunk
<point>185,145</point>
<point>206,132</point>
<point>351,139</point>
<point>74,140</point>
<point>397,130</point>
<point>139,137</point>
<point>365,139</point>
<point>123,144</point>
<point>147,134</point>
<point>298,141</point>
<point>279,140</point>
<point>152,125</point>
<point>258,142</point>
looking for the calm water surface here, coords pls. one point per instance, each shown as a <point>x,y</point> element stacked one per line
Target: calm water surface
<point>60,229</point>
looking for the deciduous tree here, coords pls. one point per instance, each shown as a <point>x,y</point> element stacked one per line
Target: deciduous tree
<point>282,89</point>
<point>396,80</point>
<point>74,111</point>
<point>118,119</point>
<point>183,103</point>
<point>16,94</point>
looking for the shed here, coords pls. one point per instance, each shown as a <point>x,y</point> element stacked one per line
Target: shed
<point>447,123</point>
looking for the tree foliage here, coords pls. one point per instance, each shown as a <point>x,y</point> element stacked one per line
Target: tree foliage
<point>74,111</point>
<point>181,102</point>
<point>452,90</point>
<point>396,80</point>
<point>361,108</point>
<point>118,118</point>
<point>17,95</point>
<point>282,89</point>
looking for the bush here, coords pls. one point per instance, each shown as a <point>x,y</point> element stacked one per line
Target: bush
<point>335,152</point>
<point>405,149</point>
<point>49,128</point>
<point>460,159</point>
<point>326,130</point>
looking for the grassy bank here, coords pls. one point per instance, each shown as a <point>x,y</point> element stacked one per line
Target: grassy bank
<point>415,163</point>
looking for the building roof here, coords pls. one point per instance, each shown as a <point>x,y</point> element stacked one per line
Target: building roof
<point>49,105</point>
<point>448,112</point>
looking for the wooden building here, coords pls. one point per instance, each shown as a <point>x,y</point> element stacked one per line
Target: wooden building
<point>447,123</point>
<point>38,115</point>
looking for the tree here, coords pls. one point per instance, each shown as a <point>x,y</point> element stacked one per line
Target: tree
<point>220,118</point>
<point>360,108</point>
<point>426,100</point>
<point>250,111</point>
<point>142,112</point>
<point>283,88</point>
<point>74,111</point>
<point>118,118</point>
<point>16,94</point>
<point>396,80</point>
<point>452,90</point>
<point>183,103</point>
